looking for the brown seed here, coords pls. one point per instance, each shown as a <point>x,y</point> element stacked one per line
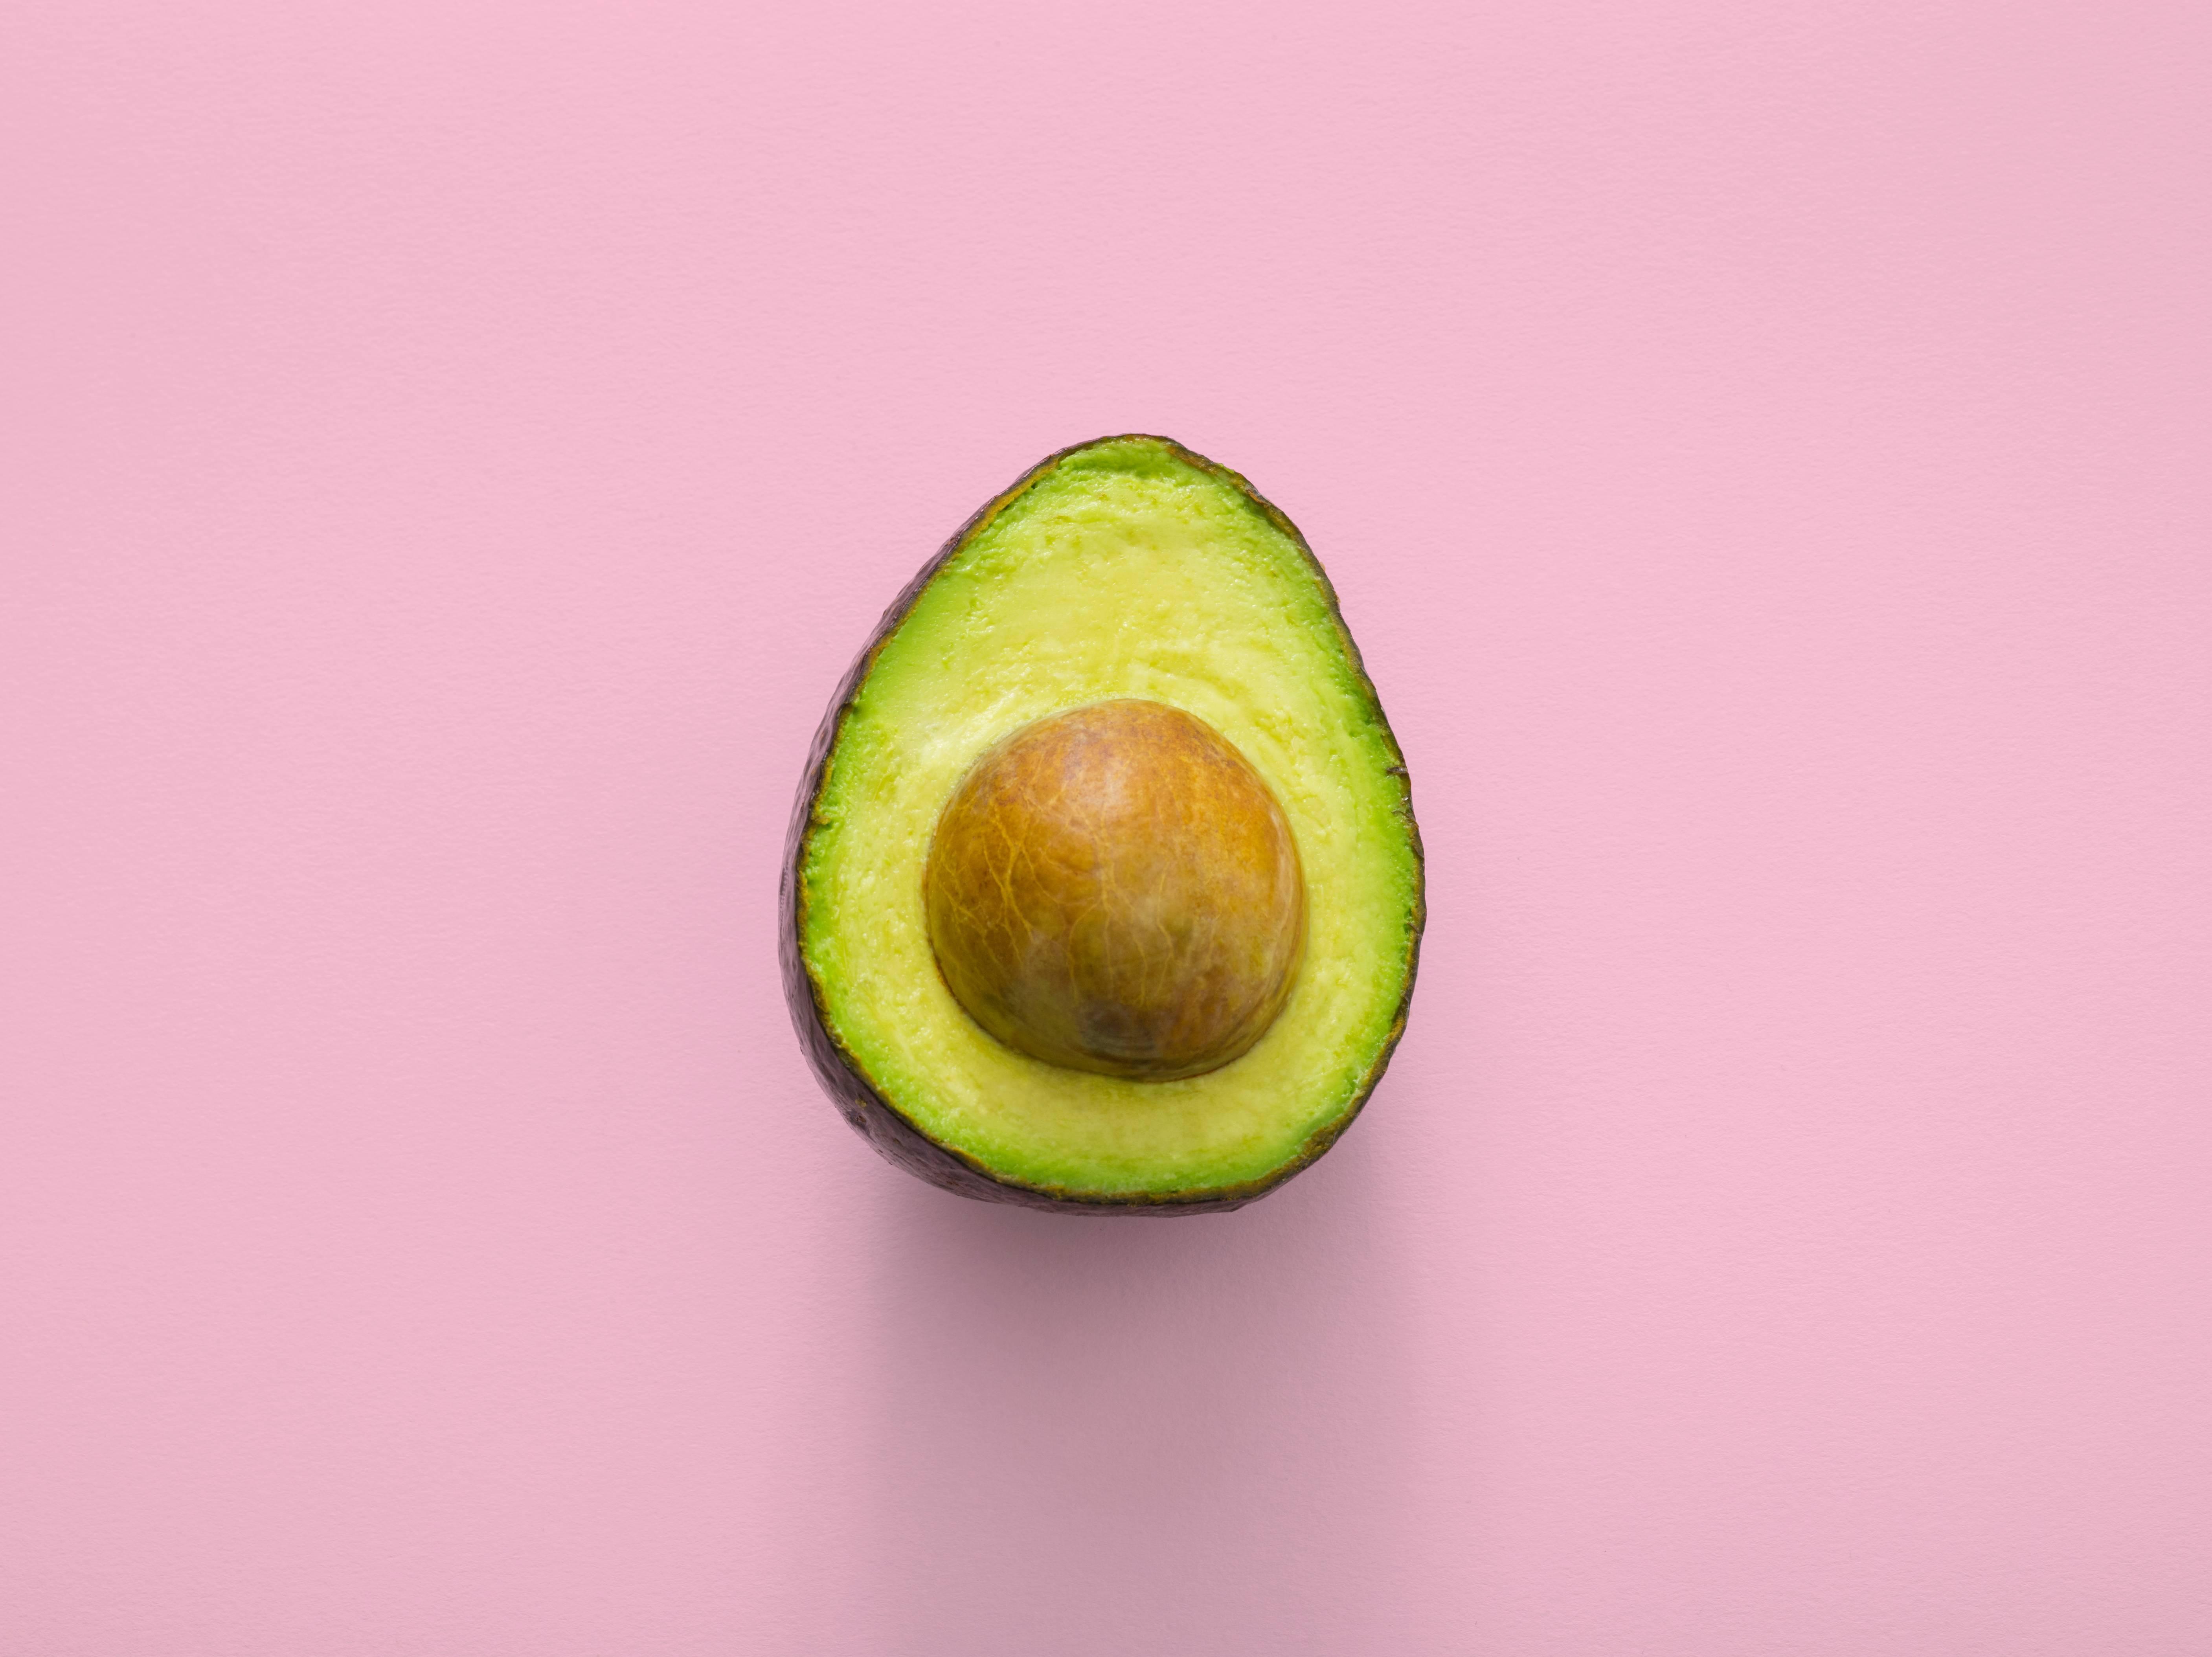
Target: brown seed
<point>1114,888</point>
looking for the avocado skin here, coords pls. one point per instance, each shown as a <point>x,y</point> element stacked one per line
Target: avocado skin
<point>842,1076</point>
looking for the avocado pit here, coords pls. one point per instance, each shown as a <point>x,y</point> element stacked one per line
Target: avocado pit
<point>1114,888</point>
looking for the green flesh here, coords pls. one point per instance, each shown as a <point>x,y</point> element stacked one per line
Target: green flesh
<point>1123,568</point>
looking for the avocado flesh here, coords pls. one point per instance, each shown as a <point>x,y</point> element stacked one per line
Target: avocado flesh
<point>1124,569</point>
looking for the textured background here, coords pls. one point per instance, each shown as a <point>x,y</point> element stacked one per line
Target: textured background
<point>452,451</point>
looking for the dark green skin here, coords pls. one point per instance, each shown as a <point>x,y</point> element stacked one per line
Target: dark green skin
<point>842,1075</point>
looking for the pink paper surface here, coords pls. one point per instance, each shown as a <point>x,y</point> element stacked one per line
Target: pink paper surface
<point>452,452</point>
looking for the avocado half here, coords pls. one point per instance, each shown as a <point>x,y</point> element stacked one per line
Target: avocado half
<point>1128,567</point>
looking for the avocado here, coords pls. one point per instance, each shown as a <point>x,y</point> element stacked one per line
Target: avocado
<point>1103,892</point>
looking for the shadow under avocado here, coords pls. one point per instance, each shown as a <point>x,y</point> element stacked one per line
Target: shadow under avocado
<point>1087,1432</point>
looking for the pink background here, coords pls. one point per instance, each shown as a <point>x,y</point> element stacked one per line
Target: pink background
<point>453,449</point>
